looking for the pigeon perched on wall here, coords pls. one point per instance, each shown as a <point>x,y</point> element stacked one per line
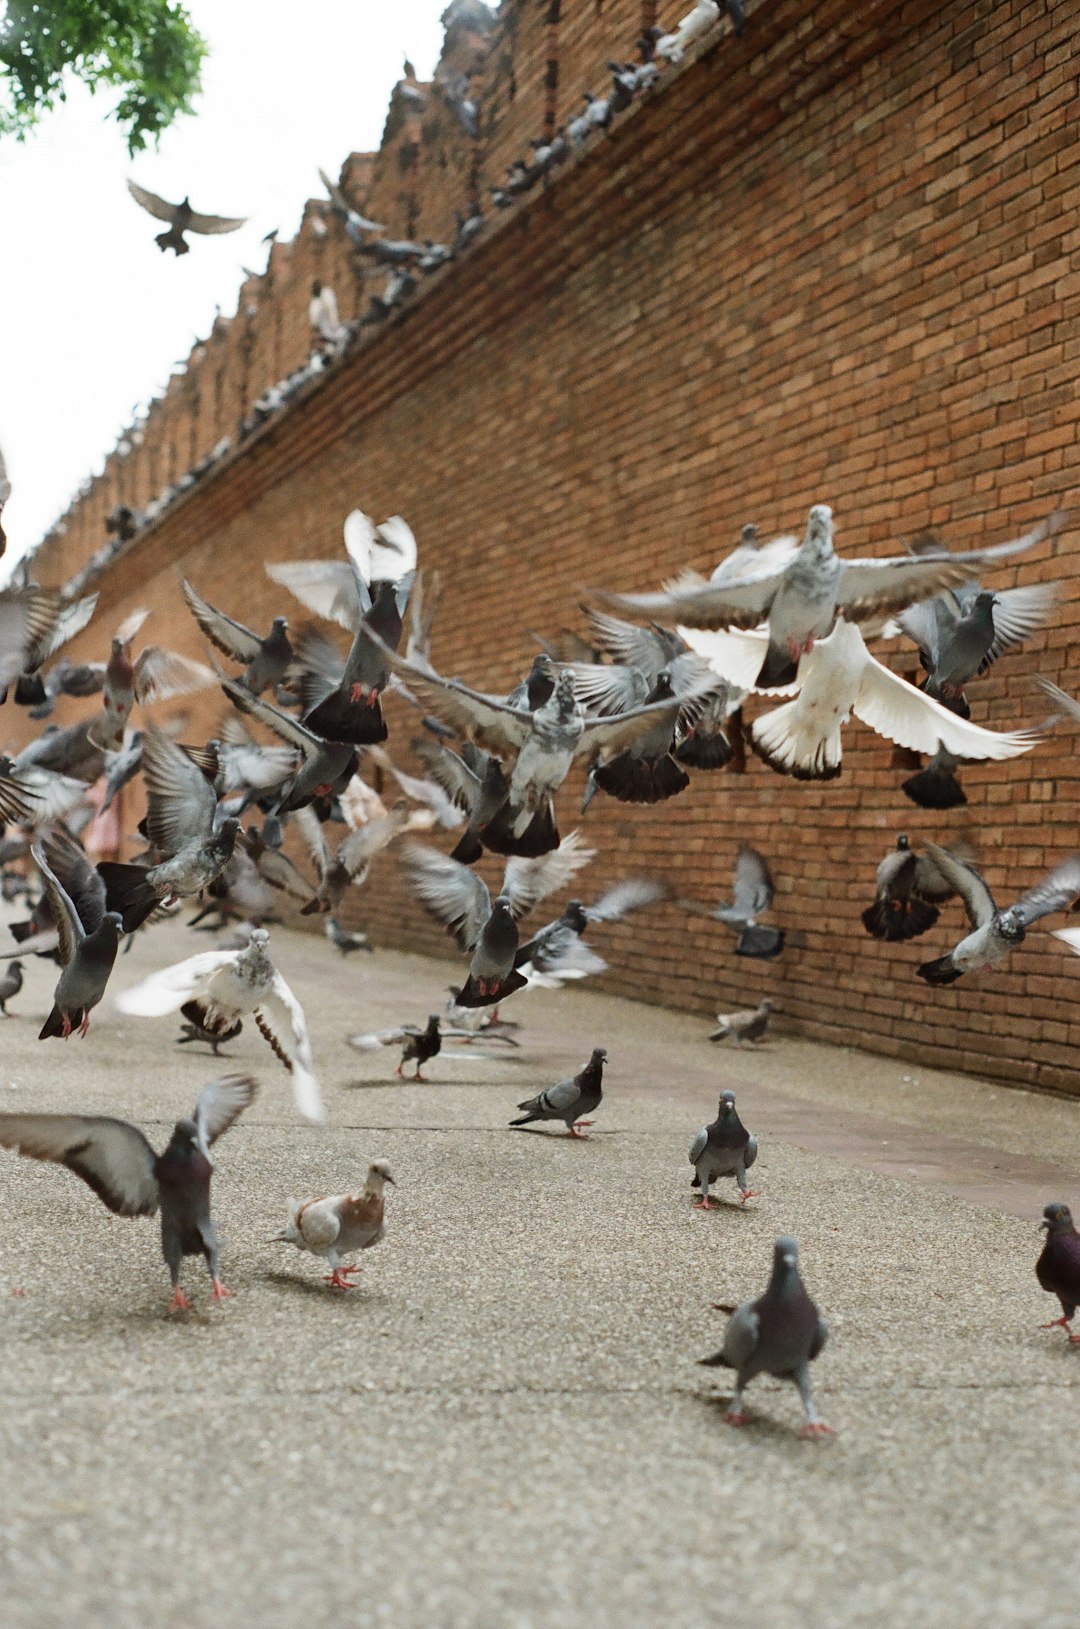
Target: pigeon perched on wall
<point>115,1159</point>
<point>11,982</point>
<point>1058,1266</point>
<point>266,659</point>
<point>703,16</point>
<point>181,218</point>
<point>802,601</point>
<point>748,1025</point>
<point>420,1045</point>
<point>88,942</point>
<point>908,889</point>
<point>216,988</point>
<point>724,1148</point>
<point>338,1226</point>
<point>780,1334</point>
<point>570,1099</point>
<point>995,933</point>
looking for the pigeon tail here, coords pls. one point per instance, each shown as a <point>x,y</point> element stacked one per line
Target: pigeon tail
<point>762,943</point>
<point>128,892</point>
<point>957,703</point>
<point>53,1025</point>
<point>793,744</point>
<point>717,1361</point>
<point>526,1119</point>
<point>641,780</point>
<point>338,718</point>
<point>899,919</point>
<point>941,971</point>
<point>468,850</point>
<point>778,668</point>
<point>934,788</point>
<point>496,989</point>
<point>541,835</point>
<point>705,749</point>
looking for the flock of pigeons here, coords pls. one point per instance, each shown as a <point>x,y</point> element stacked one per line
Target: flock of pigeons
<point>649,697</point>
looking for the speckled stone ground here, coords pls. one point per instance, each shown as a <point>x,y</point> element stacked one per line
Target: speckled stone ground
<point>504,1427</point>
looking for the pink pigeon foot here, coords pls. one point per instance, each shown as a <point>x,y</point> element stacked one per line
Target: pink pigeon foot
<point>736,1417</point>
<point>85,1025</point>
<point>337,1279</point>
<point>220,1292</point>
<point>817,1428</point>
<point>704,1204</point>
<point>748,1193</point>
<point>65,1027</point>
<point>179,1302</point>
<point>419,1076</point>
<point>1057,1323</point>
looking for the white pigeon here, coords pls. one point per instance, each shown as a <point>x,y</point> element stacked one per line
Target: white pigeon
<point>217,987</point>
<point>704,16</point>
<point>323,314</point>
<point>837,678</point>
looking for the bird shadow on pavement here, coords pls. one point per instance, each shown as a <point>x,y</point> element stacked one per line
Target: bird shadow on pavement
<point>429,1080</point>
<point>317,1288</point>
<point>759,1427</point>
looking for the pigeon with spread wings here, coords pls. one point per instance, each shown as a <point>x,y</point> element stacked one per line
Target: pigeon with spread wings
<point>994,933</point>
<point>265,659</point>
<point>181,218</point>
<point>88,942</point>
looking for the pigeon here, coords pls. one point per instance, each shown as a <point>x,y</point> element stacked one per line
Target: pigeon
<point>213,1038</point>
<point>28,621</point>
<point>487,928</point>
<point>325,767</point>
<point>354,223</point>
<point>323,314</point>
<point>474,781</point>
<point>702,17</point>
<point>936,786</point>
<point>995,933</point>
<point>266,660</point>
<point>11,982</point>
<point>115,1159</point>
<point>420,1045</point>
<point>570,1099</point>
<point>840,677</point>
<point>336,1227</point>
<point>907,892</point>
<point>217,987</point>
<point>429,793</point>
<point>344,940</point>
<point>1058,1266</point>
<point>749,1025</point>
<point>348,866</point>
<point>181,218</point>
<point>557,951</point>
<point>63,619</point>
<point>17,795</point>
<point>89,938</point>
<point>724,1148</point>
<point>5,494</point>
<point>752,891</point>
<point>802,600</point>
<point>780,1334</point>
<point>962,632</point>
<point>154,675</point>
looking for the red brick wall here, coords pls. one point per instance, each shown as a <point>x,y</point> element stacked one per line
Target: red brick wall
<point>838,260</point>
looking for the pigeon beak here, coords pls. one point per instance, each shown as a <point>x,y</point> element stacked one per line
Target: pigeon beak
<point>391,1180</point>
<point>1044,1226</point>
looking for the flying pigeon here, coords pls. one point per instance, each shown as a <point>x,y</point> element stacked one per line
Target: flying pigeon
<point>962,632</point>
<point>802,601</point>
<point>265,659</point>
<point>570,1099</point>
<point>475,783</point>
<point>907,892</point>
<point>11,982</point>
<point>154,675</point>
<point>457,897</point>
<point>995,933</point>
<point>89,938</point>
<point>354,223</point>
<point>325,767</point>
<point>344,940</point>
<point>1058,1267</point>
<point>420,1045</point>
<point>936,786</point>
<point>350,863</point>
<point>425,791</point>
<point>213,1038</point>
<point>724,1148</point>
<point>781,1333</point>
<point>558,951</point>
<point>840,677</point>
<point>335,1227</point>
<point>115,1159</point>
<point>749,1025</point>
<point>752,896</point>
<point>217,987</point>
<point>181,218</point>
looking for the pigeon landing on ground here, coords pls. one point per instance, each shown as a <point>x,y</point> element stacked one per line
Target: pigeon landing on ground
<point>89,939</point>
<point>995,932</point>
<point>780,1334</point>
<point>748,1025</point>
<point>1058,1267</point>
<point>181,218</point>
<point>724,1148</point>
<point>420,1045</point>
<point>265,659</point>
<point>570,1099</point>
<point>336,1227</point>
<point>10,984</point>
<point>217,987</point>
<point>908,890</point>
<point>116,1160</point>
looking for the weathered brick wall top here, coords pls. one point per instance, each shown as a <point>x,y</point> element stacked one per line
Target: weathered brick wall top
<point>837,260</point>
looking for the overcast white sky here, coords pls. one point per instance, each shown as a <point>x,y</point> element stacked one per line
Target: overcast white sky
<point>93,316</point>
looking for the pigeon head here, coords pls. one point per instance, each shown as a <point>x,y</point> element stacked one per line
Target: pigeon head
<point>433,1023</point>
<point>15,966</point>
<point>115,921</point>
<point>599,1055</point>
<point>903,843</point>
<point>280,625</point>
<point>663,689</point>
<point>184,1141</point>
<point>575,916</point>
<point>379,1173</point>
<point>766,1005</point>
<point>748,537</point>
<point>259,936</point>
<point>819,529</point>
<point>316,289</point>
<point>727,1102</point>
<point>785,1253</point>
<point>501,906</point>
<point>1057,1218</point>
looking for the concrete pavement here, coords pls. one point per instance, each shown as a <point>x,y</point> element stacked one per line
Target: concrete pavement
<point>504,1427</point>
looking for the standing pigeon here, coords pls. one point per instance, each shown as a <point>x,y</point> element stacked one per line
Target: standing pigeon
<point>89,939</point>
<point>336,1227</point>
<point>570,1099</point>
<point>115,1159</point>
<point>994,932</point>
<point>421,1045</point>
<point>908,890</point>
<point>724,1148</point>
<point>781,1333</point>
<point>181,218</point>
<point>265,659</point>
<point>1058,1267</point>
<point>10,985</point>
<point>748,1025</point>
<point>216,988</point>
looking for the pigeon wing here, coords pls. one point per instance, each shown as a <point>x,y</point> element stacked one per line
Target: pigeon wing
<point>870,586</point>
<point>631,894</point>
<point>230,637</point>
<point>965,881</point>
<point>741,1335</point>
<point>449,891</point>
<point>168,989</point>
<point>150,201</point>
<point>1018,613</point>
<point>220,1105</point>
<point>111,1156</point>
<point>490,722</point>
<point>1054,893</point>
<point>328,587</point>
<point>212,225</point>
<point>753,884</point>
<point>160,674</point>
<point>648,649</point>
<point>281,1021</point>
<point>181,802</point>
<point>65,916</point>
<point>80,879</point>
<point>896,709</point>
<point>527,882</point>
<point>286,728</point>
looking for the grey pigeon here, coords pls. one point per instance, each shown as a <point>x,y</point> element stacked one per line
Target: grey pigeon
<point>554,952</point>
<point>780,1334</point>
<point>936,786</point>
<point>724,1148</point>
<point>748,1025</point>
<point>16,798</point>
<point>802,600</point>
<point>337,1226</point>
<point>907,892</point>
<point>1058,1266</point>
<point>115,1159</point>
<point>475,783</point>
<point>570,1099</point>
<point>181,218</point>
<point>962,632</point>
<point>265,659</point>
<point>10,984</point>
<point>345,940</point>
<point>752,896</point>
<point>89,938</point>
<point>995,933</point>
<point>325,767</point>
<point>418,1045</point>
